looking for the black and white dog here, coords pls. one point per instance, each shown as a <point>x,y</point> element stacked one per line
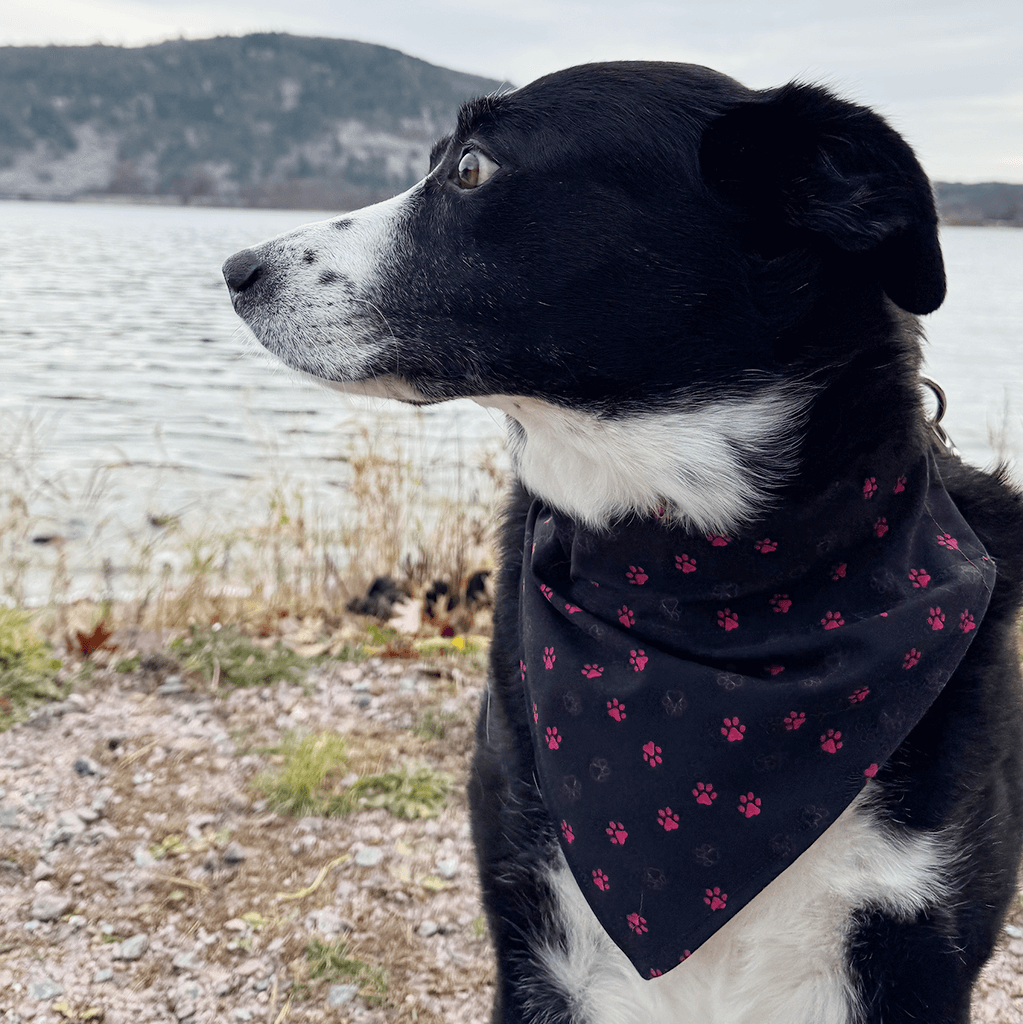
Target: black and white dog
<point>731,519</point>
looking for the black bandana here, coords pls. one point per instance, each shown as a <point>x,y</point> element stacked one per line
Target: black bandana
<point>703,707</point>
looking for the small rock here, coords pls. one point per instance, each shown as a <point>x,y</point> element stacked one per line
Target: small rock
<point>87,814</point>
<point>44,987</point>
<point>104,974</point>
<point>235,853</point>
<point>187,962</point>
<point>133,948</point>
<point>448,868</point>
<point>42,870</point>
<point>48,906</point>
<point>338,995</point>
<point>171,685</point>
<point>242,1014</point>
<point>369,857</point>
<point>1014,932</point>
<point>76,922</point>
<point>85,766</point>
<point>250,967</point>
<point>236,924</point>
<point>327,921</point>
<point>428,929</point>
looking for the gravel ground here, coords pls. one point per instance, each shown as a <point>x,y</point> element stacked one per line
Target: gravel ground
<point>143,878</point>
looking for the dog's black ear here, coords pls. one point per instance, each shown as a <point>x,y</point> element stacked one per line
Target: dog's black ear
<point>799,159</point>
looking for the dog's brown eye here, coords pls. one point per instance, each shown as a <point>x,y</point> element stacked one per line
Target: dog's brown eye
<point>474,168</point>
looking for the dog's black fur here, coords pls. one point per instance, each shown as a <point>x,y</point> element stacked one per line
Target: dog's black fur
<point>655,237</point>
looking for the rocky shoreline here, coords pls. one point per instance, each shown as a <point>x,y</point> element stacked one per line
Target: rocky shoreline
<point>143,876</point>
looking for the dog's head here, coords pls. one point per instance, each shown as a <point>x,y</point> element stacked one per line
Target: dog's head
<point>643,264</point>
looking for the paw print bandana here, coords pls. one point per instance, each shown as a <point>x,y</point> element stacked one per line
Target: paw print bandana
<point>704,707</point>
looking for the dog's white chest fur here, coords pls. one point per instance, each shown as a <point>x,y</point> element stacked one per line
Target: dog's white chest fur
<point>781,960</point>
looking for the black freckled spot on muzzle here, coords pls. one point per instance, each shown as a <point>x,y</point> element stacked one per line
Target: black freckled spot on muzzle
<point>309,256</point>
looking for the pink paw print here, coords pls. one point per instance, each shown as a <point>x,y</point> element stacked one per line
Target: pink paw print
<point>794,719</point>
<point>572,608</point>
<point>869,487</point>
<point>616,710</point>
<point>946,540</point>
<point>566,831</point>
<point>685,563</point>
<point>765,546</point>
<point>936,618</point>
<point>553,738</point>
<point>717,540</point>
<point>912,658</point>
<point>831,741</point>
<point>776,670</point>
<point>733,730</point>
<point>871,770</point>
<point>966,622</point>
<point>616,830</point>
<point>638,660</point>
<point>637,923</point>
<point>636,575</point>
<point>652,754</point>
<point>838,573</point>
<point>715,898</point>
<point>592,671</point>
<point>859,694</point>
<point>919,578</point>
<point>900,485</point>
<point>881,527</point>
<point>546,591</point>
<point>536,714</point>
<point>704,793</point>
<point>549,657</point>
<point>667,819</point>
<point>728,620</point>
<point>832,620</point>
<point>600,880</point>
<point>781,603</point>
<point>626,616</point>
<point>522,669</point>
<point>749,805</point>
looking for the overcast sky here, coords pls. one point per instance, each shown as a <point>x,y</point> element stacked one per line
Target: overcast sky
<point>949,76</point>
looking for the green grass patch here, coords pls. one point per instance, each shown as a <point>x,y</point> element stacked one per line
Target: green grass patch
<point>330,961</point>
<point>235,660</point>
<point>308,781</point>
<point>407,792</point>
<point>28,670</point>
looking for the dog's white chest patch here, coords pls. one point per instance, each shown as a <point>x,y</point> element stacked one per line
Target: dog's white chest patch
<point>712,466</point>
<point>781,960</point>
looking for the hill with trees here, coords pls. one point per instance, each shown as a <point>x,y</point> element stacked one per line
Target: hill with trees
<point>263,119</point>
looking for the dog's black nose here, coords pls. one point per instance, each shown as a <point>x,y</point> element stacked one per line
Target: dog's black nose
<point>243,270</point>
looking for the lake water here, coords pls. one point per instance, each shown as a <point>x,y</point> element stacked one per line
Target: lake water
<point>120,349</point>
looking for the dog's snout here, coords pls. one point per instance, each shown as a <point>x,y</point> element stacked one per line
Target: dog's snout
<point>243,270</point>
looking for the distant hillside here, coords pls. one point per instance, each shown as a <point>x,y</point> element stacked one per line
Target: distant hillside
<point>988,203</point>
<point>263,120</point>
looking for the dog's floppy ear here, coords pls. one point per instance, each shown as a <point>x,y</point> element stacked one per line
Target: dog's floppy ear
<point>797,158</point>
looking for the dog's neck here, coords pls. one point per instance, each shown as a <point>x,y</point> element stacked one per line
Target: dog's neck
<point>711,467</point>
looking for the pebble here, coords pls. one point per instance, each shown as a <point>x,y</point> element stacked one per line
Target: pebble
<point>338,995</point>
<point>186,962</point>
<point>428,929</point>
<point>44,987</point>
<point>85,766</point>
<point>1014,932</point>
<point>48,906</point>
<point>369,857</point>
<point>104,974</point>
<point>448,868</point>
<point>133,948</point>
